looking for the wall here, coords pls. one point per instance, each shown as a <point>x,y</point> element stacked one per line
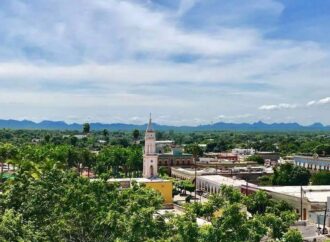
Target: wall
<point>165,188</point>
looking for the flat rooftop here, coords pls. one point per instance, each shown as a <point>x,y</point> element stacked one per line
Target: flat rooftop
<point>222,180</point>
<point>321,158</point>
<point>138,179</point>
<point>253,169</point>
<point>312,193</point>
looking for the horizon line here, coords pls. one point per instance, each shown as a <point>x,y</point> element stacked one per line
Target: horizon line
<point>164,124</point>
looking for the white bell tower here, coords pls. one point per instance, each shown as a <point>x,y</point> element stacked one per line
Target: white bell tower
<point>150,157</point>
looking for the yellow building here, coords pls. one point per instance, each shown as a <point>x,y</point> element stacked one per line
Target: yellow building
<point>150,170</point>
<point>164,187</point>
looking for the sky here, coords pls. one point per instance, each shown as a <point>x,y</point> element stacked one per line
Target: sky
<point>188,62</point>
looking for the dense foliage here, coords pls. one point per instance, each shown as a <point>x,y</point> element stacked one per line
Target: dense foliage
<point>287,143</point>
<point>229,220</point>
<point>63,206</point>
<point>290,175</point>
<point>47,199</point>
<point>321,178</point>
<point>256,158</point>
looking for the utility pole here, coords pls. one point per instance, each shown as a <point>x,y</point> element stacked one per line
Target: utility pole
<point>195,178</point>
<point>246,187</point>
<point>301,203</point>
<point>325,217</point>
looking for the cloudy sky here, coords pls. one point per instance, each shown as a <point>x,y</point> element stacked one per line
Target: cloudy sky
<point>187,62</point>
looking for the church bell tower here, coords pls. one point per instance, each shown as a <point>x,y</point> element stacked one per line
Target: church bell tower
<point>150,157</point>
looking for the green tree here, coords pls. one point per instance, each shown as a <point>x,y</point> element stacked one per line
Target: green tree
<point>73,140</point>
<point>322,149</point>
<point>231,194</point>
<point>13,228</point>
<point>195,150</point>
<point>86,128</point>
<point>105,133</point>
<point>293,235</point>
<point>136,134</point>
<point>256,158</point>
<point>231,226</point>
<point>185,228</point>
<point>62,206</point>
<point>8,152</point>
<point>257,202</point>
<point>290,175</point>
<point>47,138</point>
<point>321,178</point>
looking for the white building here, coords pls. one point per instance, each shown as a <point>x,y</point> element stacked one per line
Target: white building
<point>313,162</point>
<point>238,151</point>
<point>308,201</point>
<point>213,183</point>
<point>150,157</point>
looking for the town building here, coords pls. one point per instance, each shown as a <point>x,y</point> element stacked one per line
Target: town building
<point>163,145</point>
<point>268,155</point>
<point>313,162</point>
<point>150,170</point>
<point>251,173</point>
<point>221,156</point>
<point>150,157</point>
<point>308,201</point>
<point>155,157</point>
<point>238,151</point>
<point>213,183</point>
<point>175,158</point>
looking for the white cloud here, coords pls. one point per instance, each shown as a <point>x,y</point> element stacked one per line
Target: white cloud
<point>278,106</point>
<point>234,117</point>
<point>322,101</point>
<point>121,56</point>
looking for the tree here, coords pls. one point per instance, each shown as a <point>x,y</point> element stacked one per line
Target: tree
<point>135,160</point>
<point>13,228</point>
<point>231,226</point>
<point>290,175</point>
<point>86,128</point>
<point>88,159</point>
<point>321,178</point>
<point>293,235</point>
<point>265,180</point>
<point>256,158</point>
<point>7,153</point>
<point>231,194</point>
<point>73,140</point>
<point>47,138</point>
<point>195,150</point>
<point>186,228</point>
<point>186,185</point>
<point>136,134</point>
<point>322,149</point>
<point>105,133</point>
<point>257,202</point>
<point>62,206</point>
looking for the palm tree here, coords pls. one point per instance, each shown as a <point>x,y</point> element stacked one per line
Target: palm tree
<point>7,152</point>
<point>196,151</point>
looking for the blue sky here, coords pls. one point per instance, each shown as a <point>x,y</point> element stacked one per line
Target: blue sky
<point>187,62</point>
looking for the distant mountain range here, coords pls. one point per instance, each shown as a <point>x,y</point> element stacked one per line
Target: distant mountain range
<point>221,126</point>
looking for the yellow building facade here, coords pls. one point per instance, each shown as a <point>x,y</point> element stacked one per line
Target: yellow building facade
<point>164,187</point>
